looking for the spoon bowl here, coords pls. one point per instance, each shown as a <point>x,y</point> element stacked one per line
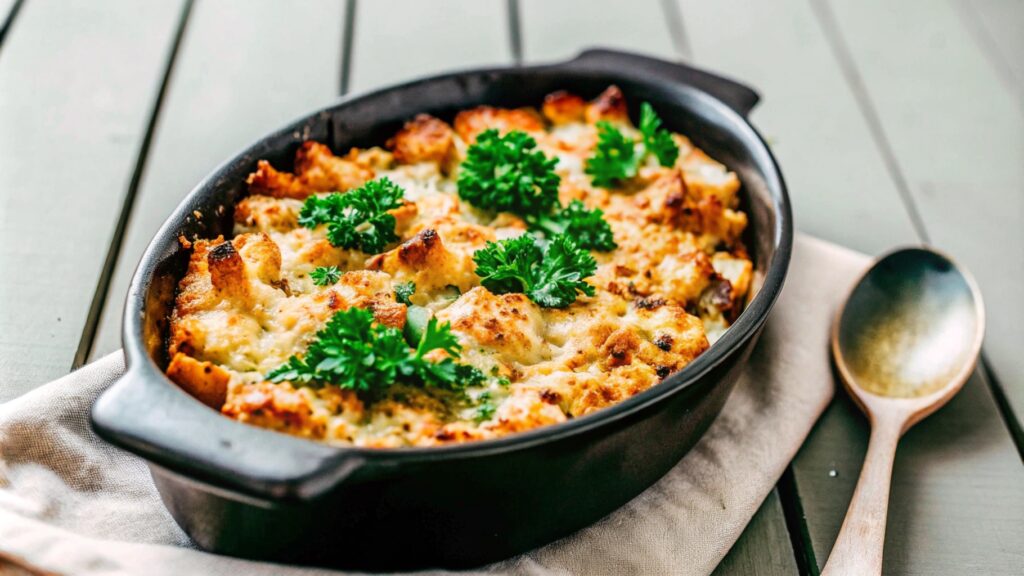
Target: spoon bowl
<point>911,328</point>
<point>904,342</point>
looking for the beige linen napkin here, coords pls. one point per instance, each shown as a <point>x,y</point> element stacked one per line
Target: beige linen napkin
<point>71,503</point>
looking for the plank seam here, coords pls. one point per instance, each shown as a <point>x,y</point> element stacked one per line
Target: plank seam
<point>85,343</point>
<point>9,20</point>
<point>1013,424</point>
<point>515,31</point>
<point>796,523</point>
<point>677,29</point>
<point>347,41</point>
<point>826,19</point>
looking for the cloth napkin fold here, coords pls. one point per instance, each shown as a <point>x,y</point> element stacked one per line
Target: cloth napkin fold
<point>70,503</point>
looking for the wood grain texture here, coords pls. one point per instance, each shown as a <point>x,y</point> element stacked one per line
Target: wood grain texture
<point>559,30</point>
<point>958,137</point>
<point>397,40</point>
<point>836,176</point>
<point>956,471</point>
<point>764,547</point>
<point>246,68</point>
<point>77,80</point>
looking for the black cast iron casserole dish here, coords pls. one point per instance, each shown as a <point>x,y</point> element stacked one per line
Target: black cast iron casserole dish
<point>245,491</point>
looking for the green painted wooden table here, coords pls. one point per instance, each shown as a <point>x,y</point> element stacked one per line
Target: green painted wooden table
<point>895,123</point>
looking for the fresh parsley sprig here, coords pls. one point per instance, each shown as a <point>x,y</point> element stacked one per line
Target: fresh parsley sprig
<point>617,157</point>
<point>657,140</point>
<point>325,275</point>
<point>358,218</point>
<point>587,227</point>
<point>352,351</point>
<point>551,276</point>
<point>508,174</point>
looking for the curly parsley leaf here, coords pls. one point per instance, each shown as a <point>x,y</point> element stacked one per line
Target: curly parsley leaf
<point>615,159</point>
<point>404,291</point>
<point>561,274</point>
<point>446,373</point>
<point>352,351</point>
<point>508,174</point>
<point>507,265</point>
<point>657,140</point>
<point>358,218</point>
<point>325,275</point>
<point>550,277</point>
<point>587,227</point>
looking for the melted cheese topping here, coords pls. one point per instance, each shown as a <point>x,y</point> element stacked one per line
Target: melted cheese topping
<point>677,278</point>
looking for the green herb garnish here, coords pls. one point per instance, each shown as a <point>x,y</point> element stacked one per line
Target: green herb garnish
<point>358,218</point>
<point>508,174</point>
<point>587,227</point>
<point>403,291</point>
<point>325,275</point>
<point>352,351</point>
<point>617,157</point>
<point>485,408</point>
<point>550,277</point>
<point>657,140</point>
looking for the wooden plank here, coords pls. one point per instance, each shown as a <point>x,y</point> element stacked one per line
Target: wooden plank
<point>764,547</point>
<point>560,30</point>
<point>246,68</point>
<point>997,26</point>
<point>957,478</point>
<point>397,40</point>
<point>959,136</point>
<point>77,81</point>
<point>836,176</point>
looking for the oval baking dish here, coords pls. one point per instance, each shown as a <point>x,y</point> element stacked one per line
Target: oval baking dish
<point>245,491</point>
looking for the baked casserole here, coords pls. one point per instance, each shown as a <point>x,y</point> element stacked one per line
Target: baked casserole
<point>513,269</point>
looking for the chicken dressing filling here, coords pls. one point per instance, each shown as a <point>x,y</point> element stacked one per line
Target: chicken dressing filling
<point>513,269</point>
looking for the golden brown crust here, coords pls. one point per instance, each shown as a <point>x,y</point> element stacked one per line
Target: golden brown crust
<point>609,106</point>
<point>423,139</point>
<point>509,325</point>
<point>282,407</point>
<point>247,304</point>
<point>563,108</point>
<point>470,123</point>
<point>206,381</point>
<point>317,169</point>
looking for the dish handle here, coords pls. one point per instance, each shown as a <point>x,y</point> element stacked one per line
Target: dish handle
<point>739,97</point>
<point>147,415</point>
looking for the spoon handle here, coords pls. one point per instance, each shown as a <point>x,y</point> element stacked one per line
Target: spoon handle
<point>858,549</point>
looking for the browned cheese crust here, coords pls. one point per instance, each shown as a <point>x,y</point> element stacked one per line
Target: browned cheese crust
<point>679,276</point>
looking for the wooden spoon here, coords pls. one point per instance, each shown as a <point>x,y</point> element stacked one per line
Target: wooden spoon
<point>904,342</point>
